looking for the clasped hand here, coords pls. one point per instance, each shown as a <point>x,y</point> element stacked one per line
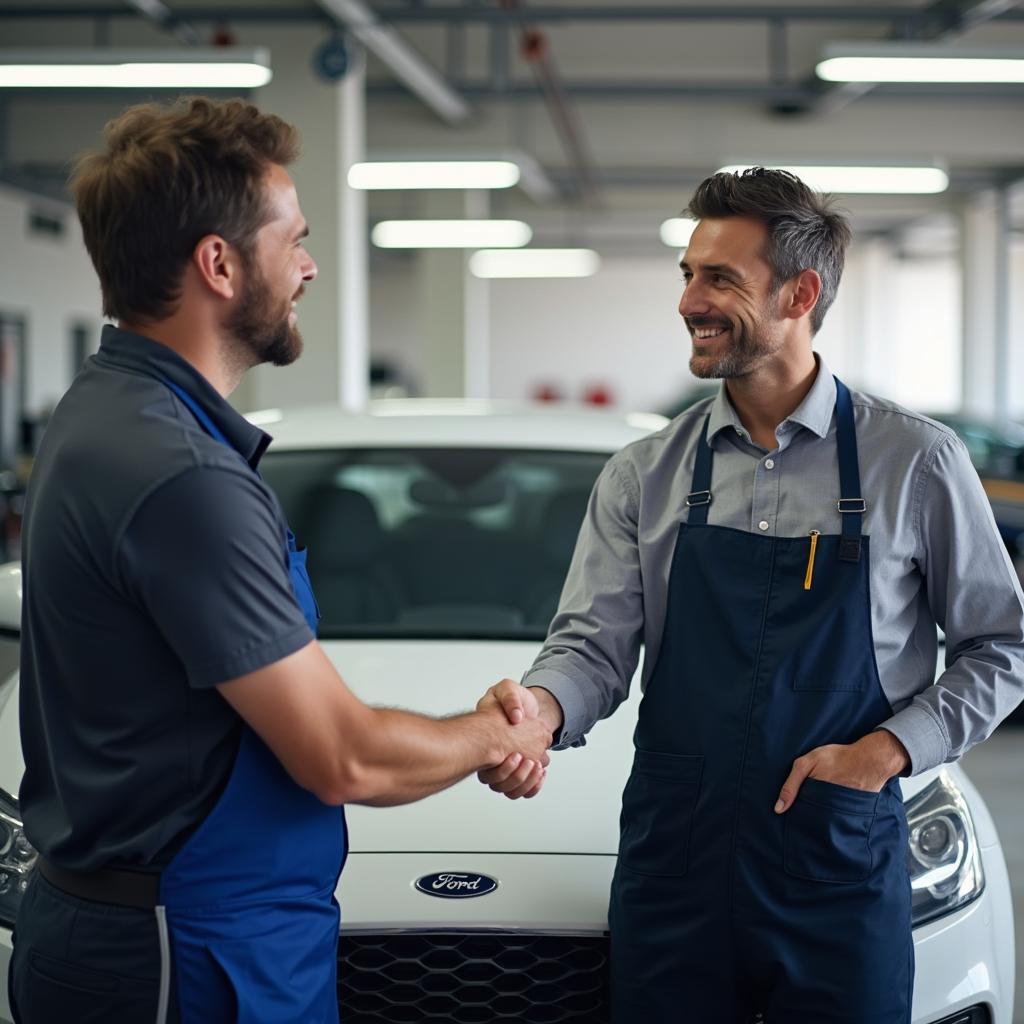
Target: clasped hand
<point>516,776</point>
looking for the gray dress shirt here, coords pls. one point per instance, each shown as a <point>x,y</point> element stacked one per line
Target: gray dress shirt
<point>936,558</point>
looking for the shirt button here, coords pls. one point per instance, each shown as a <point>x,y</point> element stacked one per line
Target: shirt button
<point>763,525</point>
<point>769,463</point>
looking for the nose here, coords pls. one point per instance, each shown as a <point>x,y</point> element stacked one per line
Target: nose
<point>692,302</point>
<point>309,270</point>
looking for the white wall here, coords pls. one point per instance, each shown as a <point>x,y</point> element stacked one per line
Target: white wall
<point>620,328</point>
<point>51,283</point>
<point>1017,328</point>
<point>894,330</point>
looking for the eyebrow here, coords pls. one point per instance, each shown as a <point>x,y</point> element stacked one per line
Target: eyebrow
<point>714,268</point>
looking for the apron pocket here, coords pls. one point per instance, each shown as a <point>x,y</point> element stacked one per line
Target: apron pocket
<point>827,833</point>
<point>657,811</point>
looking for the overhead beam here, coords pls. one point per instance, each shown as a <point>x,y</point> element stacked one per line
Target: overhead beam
<point>793,94</point>
<point>939,20</point>
<point>417,74</point>
<point>460,14</point>
<point>159,12</point>
<point>952,17</point>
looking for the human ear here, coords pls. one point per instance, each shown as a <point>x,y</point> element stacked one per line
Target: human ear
<point>216,263</point>
<point>805,290</point>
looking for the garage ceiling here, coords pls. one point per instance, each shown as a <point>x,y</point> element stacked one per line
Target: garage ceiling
<point>631,105</point>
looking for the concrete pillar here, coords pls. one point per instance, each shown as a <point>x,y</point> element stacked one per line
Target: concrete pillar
<point>1001,287</point>
<point>1017,327</point>
<point>453,306</point>
<point>332,315</point>
<point>353,280</point>
<point>980,242</point>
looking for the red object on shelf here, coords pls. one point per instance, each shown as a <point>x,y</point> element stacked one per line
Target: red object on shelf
<point>223,36</point>
<point>547,393</point>
<point>598,394</point>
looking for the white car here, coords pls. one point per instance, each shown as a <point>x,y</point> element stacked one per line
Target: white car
<point>439,535</point>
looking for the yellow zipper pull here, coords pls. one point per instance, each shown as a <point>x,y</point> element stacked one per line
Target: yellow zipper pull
<point>810,560</point>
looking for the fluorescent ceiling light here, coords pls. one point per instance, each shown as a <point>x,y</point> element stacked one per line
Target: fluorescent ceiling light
<point>264,417</point>
<point>874,180</point>
<point>410,174</point>
<point>647,420</point>
<point>534,263</point>
<point>187,68</point>
<point>676,231</point>
<point>451,234</point>
<point>910,62</point>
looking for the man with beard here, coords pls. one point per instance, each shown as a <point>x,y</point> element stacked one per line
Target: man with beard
<point>788,679</point>
<point>188,745</point>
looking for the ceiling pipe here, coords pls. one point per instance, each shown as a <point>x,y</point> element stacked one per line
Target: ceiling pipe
<point>534,49</point>
<point>419,76</point>
<point>940,20</point>
<point>159,12</point>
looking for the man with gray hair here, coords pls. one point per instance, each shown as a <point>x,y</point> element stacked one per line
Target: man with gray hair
<point>784,550</point>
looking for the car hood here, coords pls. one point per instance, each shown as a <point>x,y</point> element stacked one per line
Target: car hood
<point>576,812</point>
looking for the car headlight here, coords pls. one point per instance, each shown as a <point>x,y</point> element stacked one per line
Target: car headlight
<point>942,852</point>
<point>17,858</point>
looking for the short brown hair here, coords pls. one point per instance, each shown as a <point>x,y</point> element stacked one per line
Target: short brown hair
<point>805,231</point>
<point>168,176</point>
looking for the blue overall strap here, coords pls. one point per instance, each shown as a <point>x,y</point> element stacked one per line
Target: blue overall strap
<point>851,503</point>
<point>204,420</point>
<point>699,498</point>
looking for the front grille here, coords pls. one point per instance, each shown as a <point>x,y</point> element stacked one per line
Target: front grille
<point>476,978</point>
<point>975,1015</point>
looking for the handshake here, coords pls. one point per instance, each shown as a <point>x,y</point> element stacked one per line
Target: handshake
<point>533,712</point>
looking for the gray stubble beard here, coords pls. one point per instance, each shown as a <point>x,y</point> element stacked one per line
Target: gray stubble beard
<point>737,361</point>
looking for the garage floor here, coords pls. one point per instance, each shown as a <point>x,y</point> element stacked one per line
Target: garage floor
<point>994,767</point>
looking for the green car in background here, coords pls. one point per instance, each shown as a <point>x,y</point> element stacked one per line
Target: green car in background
<point>997,451</point>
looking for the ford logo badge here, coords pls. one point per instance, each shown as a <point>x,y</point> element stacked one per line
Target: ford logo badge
<point>456,885</point>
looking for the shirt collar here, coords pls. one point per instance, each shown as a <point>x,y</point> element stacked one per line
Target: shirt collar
<point>138,354</point>
<point>814,412</point>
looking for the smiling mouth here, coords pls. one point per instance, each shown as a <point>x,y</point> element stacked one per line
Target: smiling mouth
<point>708,333</point>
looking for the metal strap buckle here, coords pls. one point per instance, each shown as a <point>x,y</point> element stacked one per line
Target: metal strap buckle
<point>851,505</point>
<point>698,498</point>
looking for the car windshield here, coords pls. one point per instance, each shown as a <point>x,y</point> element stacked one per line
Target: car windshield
<point>457,543</point>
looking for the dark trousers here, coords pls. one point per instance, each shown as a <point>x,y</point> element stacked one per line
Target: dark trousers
<point>84,962</point>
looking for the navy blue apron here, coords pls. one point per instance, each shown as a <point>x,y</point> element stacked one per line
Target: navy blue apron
<point>249,899</point>
<point>721,908</point>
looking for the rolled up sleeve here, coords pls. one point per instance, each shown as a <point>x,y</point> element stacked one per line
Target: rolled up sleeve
<point>593,646</point>
<point>975,596</point>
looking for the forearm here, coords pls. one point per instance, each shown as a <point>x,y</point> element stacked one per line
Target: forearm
<point>405,756</point>
<point>346,752</point>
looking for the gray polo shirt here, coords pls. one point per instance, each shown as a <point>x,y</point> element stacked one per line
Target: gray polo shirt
<point>155,567</point>
<point>936,557</point>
